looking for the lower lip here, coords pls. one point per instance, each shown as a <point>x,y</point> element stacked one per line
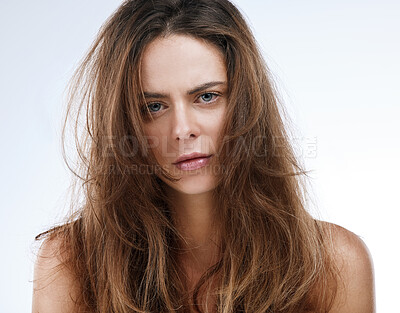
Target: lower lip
<point>193,164</point>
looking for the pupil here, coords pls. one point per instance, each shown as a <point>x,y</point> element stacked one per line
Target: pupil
<point>154,104</point>
<point>207,97</point>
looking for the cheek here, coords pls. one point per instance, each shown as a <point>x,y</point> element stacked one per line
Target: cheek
<point>153,139</point>
<point>215,124</point>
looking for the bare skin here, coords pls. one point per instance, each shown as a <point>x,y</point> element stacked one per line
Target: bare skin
<point>186,123</point>
<point>357,294</point>
<point>55,292</point>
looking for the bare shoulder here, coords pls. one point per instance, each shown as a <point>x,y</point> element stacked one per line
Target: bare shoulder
<point>356,292</point>
<point>54,287</point>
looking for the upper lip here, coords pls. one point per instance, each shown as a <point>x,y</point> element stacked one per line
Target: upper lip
<point>189,156</point>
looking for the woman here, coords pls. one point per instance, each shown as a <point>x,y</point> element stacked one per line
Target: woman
<point>194,201</point>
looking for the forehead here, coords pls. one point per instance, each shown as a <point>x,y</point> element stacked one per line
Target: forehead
<point>178,61</point>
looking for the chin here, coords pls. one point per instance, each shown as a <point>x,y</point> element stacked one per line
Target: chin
<point>193,185</point>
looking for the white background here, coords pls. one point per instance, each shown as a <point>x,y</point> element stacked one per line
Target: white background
<point>337,67</point>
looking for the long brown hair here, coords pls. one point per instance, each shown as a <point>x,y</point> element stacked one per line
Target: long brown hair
<point>121,242</point>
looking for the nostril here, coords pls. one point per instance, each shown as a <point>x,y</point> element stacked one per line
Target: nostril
<point>186,137</point>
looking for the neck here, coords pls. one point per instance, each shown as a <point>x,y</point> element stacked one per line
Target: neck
<point>193,216</point>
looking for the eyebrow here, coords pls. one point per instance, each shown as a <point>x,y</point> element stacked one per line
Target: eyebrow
<point>190,92</point>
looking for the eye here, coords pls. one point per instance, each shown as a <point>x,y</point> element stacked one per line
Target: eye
<point>209,97</point>
<point>156,106</point>
<point>153,107</point>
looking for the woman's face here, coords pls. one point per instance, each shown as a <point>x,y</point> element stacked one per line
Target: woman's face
<point>185,85</point>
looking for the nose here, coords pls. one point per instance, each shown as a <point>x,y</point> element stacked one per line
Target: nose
<point>184,122</point>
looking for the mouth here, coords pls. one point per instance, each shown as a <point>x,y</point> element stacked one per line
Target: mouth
<point>189,156</point>
<point>193,163</point>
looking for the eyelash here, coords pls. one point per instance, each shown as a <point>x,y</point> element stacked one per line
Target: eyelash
<point>214,94</point>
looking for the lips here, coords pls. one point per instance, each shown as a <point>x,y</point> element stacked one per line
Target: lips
<point>192,161</point>
<point>189,156</point>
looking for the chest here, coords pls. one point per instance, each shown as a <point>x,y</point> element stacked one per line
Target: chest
<point>205,297</point>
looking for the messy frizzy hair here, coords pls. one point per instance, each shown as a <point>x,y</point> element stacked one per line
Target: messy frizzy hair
<point>121,242</point>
